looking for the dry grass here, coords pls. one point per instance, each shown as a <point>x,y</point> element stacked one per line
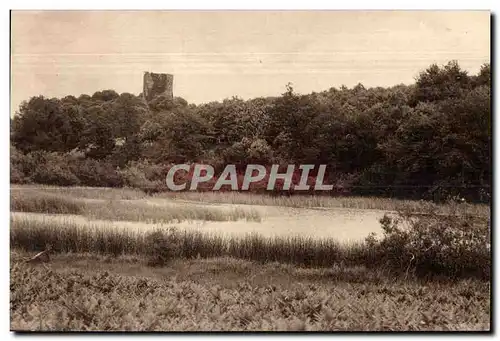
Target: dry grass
<point>88,294</point>
<point>102,193</point>
<point>39,201</point>
<point>124,211</point>
<point>311,201</point>
<point>299,201</point>
<point>33,201</point>
<point>30,235</point>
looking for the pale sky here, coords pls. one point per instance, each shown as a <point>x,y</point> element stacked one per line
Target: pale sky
<point>216,55</point>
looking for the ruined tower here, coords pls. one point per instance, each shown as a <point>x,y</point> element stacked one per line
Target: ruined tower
<point>156,84</point>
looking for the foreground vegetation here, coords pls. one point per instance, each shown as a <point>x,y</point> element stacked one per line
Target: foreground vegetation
<point>86,292</point>
<point>428,270</point>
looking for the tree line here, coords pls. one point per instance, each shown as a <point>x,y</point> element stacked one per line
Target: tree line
<point>430,139</point>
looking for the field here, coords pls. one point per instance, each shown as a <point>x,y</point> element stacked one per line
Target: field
<point>225,261</point>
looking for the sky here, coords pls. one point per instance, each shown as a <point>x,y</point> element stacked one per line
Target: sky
<point>219,54</point>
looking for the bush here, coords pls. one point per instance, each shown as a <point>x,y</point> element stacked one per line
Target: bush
<point>164,246</point>
<point>96,173</point>
<point>16,175</point>
<point>134,177</point>
<point>148,177</point>
<point>429,243</point>
<point>21,166</point>
<point>53,169</point>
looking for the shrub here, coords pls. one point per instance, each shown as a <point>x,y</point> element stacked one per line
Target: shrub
<point>148,177</point>
<point>430,243</point>
<point>16,175</point>
<point>164,246</point>
<point>135,177</point>
<point>21,166</point>
<point>53,169</point>
<point>96,173</point>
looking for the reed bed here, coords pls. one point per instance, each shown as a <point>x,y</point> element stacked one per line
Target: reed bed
<point>31,200</point>
<point>316,201</point>
<point>30,235</point>
<point>463,256</point>
<point>143,212</point>
<point>102,193</point>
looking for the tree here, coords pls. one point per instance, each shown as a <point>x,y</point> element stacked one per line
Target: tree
<point>98,139</point>
<point>46,124</point>
<point>484,76</point>
<point>105,95</point>
<point>436,84</point>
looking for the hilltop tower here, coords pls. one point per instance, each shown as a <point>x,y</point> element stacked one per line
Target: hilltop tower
<point>156,84</point>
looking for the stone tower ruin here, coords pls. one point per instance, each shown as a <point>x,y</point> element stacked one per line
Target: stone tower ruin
<point>156,84</point>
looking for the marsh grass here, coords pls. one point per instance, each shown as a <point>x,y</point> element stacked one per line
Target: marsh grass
<point>143,212</point>
<point>30,235</point>
<point>102,193</point>
<point>424,238</point>
<point>312,201</point>
<point>34,201</point>
<point>297,201</point>
<point>38,201</point>
<point>425,247</point>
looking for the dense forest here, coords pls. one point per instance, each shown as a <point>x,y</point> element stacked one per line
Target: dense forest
<point>429,140</point>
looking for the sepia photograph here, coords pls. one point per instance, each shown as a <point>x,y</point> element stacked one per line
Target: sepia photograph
<point>250,171</point>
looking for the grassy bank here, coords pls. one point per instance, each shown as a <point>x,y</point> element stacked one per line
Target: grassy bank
<point>41,201</point>
<point>103,193</point>
<point>143,212</point>
<point>92,293</point>
<point>299,201</point>
<point>311,201</point>
<point>30,200</point>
